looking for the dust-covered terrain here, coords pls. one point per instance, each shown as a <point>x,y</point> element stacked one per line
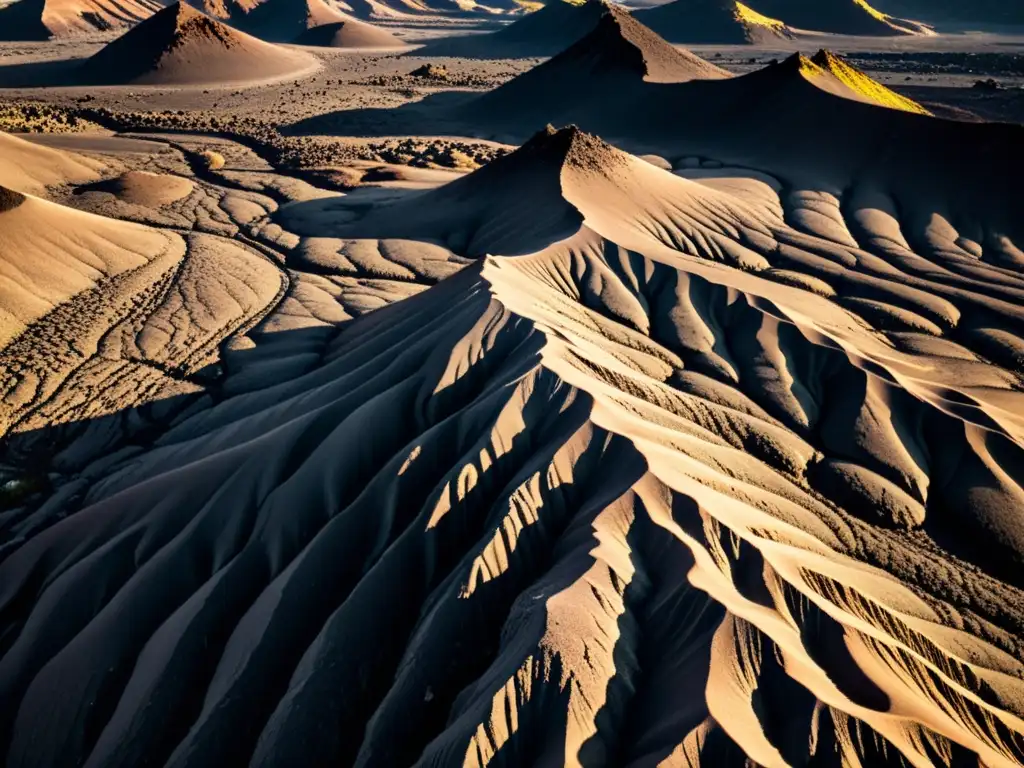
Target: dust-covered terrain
<point>393,383</point>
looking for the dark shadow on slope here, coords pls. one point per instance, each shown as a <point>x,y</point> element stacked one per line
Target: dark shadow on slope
<point>312,721</point>
<point>39,467</point>
<point>633,654</point>
<point>30,455</point>
<point>450,675</point>
<point>22,20</point>
<point>419,561</point>
<point>678,624</point>
<point>675,624</point>
<point>45,479</point>
<point>526,747</point>
<point>41,74</point>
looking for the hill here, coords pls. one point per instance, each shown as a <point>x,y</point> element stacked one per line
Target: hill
<point>30,168</point>
<point>757,120</point>
<point>306,21</point>
<point>843,17</point>
<point>181,46</point>
<point>544,32</point>
<point>685,471</point>
<point>618,62</point>
<point>350,33</point>
<point>711,22</point>
<point>985,12</point>
<point>54,253</point>
<point>43,19</point>
<point>857,84</point>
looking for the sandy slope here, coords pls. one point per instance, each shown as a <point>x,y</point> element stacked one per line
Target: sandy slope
<point>629,467</point>
<point>350,33</point>
<point>621,61</point>
<point>545,32</point>
<point>856,84</point>
<point>30,168</point>
<point>52,253</point>
<point>756,121</point>
<point>225,10</point>
<point>180,46</point>
<point>712,22</point>
<point>844,17</point>
<point>678,471</point>
<point>42,19</point>
<point>935,11</point>
<point>99,315</point>
<point>312,22</point>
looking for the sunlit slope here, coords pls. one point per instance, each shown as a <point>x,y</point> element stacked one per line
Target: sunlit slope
<point>98,316</point>
<point>30,168</point>
<point>712,21</point>
<point>860,83</point>
<point>625,498</point>
<point>844,17</point>
<point>51,253</point>
<point>620,62</point>
<point>43,19</point>
<point>181,45</point>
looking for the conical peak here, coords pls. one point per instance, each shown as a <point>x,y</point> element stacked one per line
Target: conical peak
<point>825,58</point>
<point>547,149</point>
<point>567,147</point>
<point>9,199</point>
<point>796,64</point>
<point>596,7</point>
<point>182,13</point>
<point>609,22</point>
<point>863,86</point>
<point>826,61</point>
<point>620,38</point>
<point>549,139</point>
<point>181,22</point>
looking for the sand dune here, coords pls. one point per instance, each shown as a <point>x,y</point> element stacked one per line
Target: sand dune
<point>545,32</point>
<point>43,19</point>
<point>936,11</point>
<point>859,84</point>
<point>714,458</point>
<point>621,61</point>
<point>150,190</point>
<point>655,480</point>
<point>312,22</point>
<point>30,168</point>
<point>844,17</point>
<point>52,253</point>
<point>281,21</point>
<point>753,121</point>
<point>181,46</point>
<point>225,10</point>
<point>350,33</point>
<point>712,21</point>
